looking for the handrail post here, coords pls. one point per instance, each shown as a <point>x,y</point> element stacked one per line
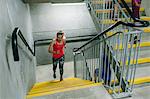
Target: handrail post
<point>34,47</point>
<point>75,65</point>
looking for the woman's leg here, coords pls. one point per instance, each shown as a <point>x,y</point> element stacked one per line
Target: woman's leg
<point>61,65</point>
<point>55,61</point>
<point>136,9</point>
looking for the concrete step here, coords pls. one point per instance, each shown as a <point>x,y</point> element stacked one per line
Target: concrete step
<point>145,18</point>
<point>143,60</point>
<point>140,93</point>
<point>144,52</point>
<point>90,92</point>
<point>56,86</point>
<point>145,37</point>
<point>142,44</point>
<point>109,10</point>
<point>110,21</point>
<point>146,29</point>
<point>95,92</point>
<point>143,70</point>
<point>101,2</point>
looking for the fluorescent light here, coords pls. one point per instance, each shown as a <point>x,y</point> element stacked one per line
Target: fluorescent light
<point>67,4</point>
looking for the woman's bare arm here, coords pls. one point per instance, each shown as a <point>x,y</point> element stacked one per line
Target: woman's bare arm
<point>50,48</point>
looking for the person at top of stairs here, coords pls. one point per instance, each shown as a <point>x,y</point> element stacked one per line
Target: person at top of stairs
<point>56,47</point>
<point>136,9</point>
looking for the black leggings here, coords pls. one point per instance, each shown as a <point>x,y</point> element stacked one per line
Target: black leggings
<point>61,64</point>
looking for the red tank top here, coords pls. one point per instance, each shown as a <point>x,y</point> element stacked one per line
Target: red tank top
<point>58,47</point>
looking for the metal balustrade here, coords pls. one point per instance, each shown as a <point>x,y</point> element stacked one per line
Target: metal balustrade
<point>111,56</point>
<point>111,60</point>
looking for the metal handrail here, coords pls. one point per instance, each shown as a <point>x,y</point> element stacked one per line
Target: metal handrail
<point>107,55</point>
<point>143,24</point>
<point>104,32</point>
<point>15,34</point>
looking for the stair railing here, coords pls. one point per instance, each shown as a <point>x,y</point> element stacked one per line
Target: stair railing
<point>17,32</point>
<point>110,59</point>
<point>112,55</point>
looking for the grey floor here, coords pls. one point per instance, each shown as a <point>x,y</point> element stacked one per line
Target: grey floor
<point>44,73</point>
<point>141,93</point>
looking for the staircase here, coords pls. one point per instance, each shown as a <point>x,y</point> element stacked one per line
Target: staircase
<point>143,67</point>
<point>91,56</point>
<point>69,87</point>
<point>105,17</point>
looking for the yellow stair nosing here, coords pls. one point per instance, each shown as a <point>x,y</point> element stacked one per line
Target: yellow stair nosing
<point>37,85</point>
<point>44,84</point>
<point>145,18</point>
<point>110,21</point>
<point>143,60</point>
<point>139,61</point>
<point>53,85</point>
<point>137,81</point>
<point>145,44</point>
<point>101,2</point>
<point>141,80</point>
<point>55,88</point>
<point>103,11</point>
<point>63,90</point>
<point>109,10</point>
<point>146,29</point>
<point>142,44</point>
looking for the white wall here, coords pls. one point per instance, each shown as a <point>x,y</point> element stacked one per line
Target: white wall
<point>47,19</point>
<point>74,19</point>
<point>16,78</point>
<point>145,4</point>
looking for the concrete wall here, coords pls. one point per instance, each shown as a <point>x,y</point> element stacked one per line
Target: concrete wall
<point>16,78</point>
<point>145,4</point>
<point>73,18</point>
